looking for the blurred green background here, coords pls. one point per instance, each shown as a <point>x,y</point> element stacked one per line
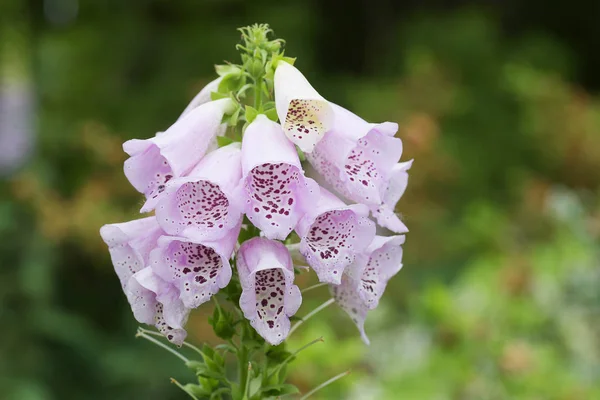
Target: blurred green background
<point>497,102</point>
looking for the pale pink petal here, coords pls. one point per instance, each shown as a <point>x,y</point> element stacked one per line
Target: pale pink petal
<point>347,298</point>
<point>385,260</point>
<point>385,213</point>
<point>269,296</point>
<point>197,270</point>
<point>156,302</point>
<point>304,113</point>
<point>129,244</point>
<point>203,206</point>
<point>332,235</point>
<point>277,193</point>
<point>357,157</point>
<point>175,152</point>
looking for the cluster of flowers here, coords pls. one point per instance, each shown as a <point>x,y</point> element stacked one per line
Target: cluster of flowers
<point>178,259</point>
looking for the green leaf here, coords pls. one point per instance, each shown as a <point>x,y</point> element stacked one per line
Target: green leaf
<point>227,69</point>
<point>217,393</point>
<point>197,390</point>
<point>251,113</point>
<point>226,347</point>
<point>218,96</point>
<point>280,390</point>
<point>223,141</point>
<point>272,114</point>
<point>233,119</point>
<point>243,89</point>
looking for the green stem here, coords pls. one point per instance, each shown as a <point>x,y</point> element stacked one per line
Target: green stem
<point>247,386</point>
<point>287,360</point>
<point>184,389</point>
<point>243,366</point>
<point>186,344</point>
<point>258,94</point>
<point>310,314</point>
<point>164,346</point>
<point>318,285</point>
<point>326,383</point>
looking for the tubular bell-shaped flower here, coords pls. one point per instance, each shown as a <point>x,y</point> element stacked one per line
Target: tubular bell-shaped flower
<point>269,296</point>
<point>384,213</point>
<point>156,302</point>
<point>197,270</point>
<point>129,244</point>
<point>303,112</point>
<point>203,205</point>
<point>277,192</point>
<point>357,158</point>
<point>362,288</point>
<point>173,153</point>
<point>333,235</point>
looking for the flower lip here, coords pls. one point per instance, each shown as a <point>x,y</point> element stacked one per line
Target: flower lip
<point>306,116</point>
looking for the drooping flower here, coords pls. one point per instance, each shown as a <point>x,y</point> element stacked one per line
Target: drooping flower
<point>384,213</point>
<point>156,302</point>
<point>129,244</point>
<point>269,296</point>
<point>197,269</point>
<point>361,289</point>
<point>357,158</point>
<point>304,113</point>
<point>276,191</point>
<point>203,96</point>
<point>173,153</point>
<point>203,205</point>
<point>333,235</point>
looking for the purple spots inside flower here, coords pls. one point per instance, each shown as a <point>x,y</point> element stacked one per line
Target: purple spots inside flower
<point>302,119</point>
<point>161,173</point>
<point>202,204</point>
<point>270,288</point>
<point>195,269</point>
<point>271,189</point>
<point>175,336</point>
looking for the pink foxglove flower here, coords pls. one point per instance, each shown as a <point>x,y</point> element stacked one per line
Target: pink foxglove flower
<point>333,234</point>
<point>361,290</point>
<point>357,158</point>
<point>277,193</point>
<point>306,116</point>
<point>269,296</point>
<point>203,206</point>
<point>173,153</point>
<point>155,302</point>
<point>130,244</point>
<point>197,270</point>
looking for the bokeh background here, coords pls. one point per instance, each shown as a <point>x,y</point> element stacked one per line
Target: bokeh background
<point>498,103</point>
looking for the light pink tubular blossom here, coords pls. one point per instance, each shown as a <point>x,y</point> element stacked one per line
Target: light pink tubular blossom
<point>157,303</point>
<point>269,296</point>
<point>362,288</point>
<point>197,269</point>
<point>276,191</point>
<point>203,205</point>
<point>130,244</point>
<point>304,113</point>
<point>333,234</point>
<point>171,154</point>
<point>359,160</point>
